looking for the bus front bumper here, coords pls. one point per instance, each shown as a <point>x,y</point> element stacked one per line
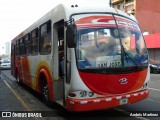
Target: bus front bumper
<point>79,105</point>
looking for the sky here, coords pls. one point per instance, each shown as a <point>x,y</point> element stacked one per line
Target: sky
<point>17,15</point>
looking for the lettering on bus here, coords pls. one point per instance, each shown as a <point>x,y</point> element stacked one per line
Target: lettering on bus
<point>110,64</point>
<point>108,61</point>
<point>131,25</point>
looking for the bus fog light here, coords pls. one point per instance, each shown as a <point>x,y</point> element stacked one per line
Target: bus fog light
<point>90,94</point>
<point>72,95</point>
<point>82,93</point>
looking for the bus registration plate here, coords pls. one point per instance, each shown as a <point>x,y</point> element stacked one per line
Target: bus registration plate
<point>123,101</point>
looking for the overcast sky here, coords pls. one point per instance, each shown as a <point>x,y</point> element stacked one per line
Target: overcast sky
<point>17,15</point>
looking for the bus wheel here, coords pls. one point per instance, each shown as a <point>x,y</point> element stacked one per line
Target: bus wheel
<point>45,93</point>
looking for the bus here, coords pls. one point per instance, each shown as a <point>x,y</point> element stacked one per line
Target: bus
<point>83,57</point>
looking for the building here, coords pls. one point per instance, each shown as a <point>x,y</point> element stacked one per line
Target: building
<point>7,49</point>
<point>128,6</point>
<point>153,45</point>
<point>147,13</point>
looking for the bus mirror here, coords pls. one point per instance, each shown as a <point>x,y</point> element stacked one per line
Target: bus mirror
<point>71,34</point>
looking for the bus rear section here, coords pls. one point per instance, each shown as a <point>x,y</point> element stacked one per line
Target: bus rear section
<point>109,63</point>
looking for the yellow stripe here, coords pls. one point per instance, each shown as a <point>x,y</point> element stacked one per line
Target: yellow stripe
<point>42,63</point>
<point>18,97</point>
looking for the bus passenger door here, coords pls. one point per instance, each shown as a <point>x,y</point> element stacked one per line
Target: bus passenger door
<point>13,58</point>
<point>59,61</point>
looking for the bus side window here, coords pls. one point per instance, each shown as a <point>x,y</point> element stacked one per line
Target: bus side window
<point>17,47</point>
<point>27,44</point>
<point>34,42</point>
<point>21,48</point>
<point>45,38</point>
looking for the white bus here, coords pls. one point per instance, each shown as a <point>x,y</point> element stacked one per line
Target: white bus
<point>84,57</point>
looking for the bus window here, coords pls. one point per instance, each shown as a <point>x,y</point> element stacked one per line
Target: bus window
<point>27,44</point>
<point>17,47</point>
<point>34,42</point>
<point>45,38</point>
<point>98,48</point>
<point>134,49</point>
<point>21,48</point>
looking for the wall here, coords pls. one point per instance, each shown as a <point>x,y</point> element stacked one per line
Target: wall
<point>148,15</point>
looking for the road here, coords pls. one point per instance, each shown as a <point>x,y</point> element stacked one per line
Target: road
<point>22,99</point>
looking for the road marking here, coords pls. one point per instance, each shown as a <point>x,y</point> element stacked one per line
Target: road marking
<point>128,113</point>
<point>154,89</point>
<point>153,100</point>
<point>18,97</point>
<point>152,82</point>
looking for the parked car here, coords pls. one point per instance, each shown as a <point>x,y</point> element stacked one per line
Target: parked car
<point>154,66</point>
<point>5,64</point>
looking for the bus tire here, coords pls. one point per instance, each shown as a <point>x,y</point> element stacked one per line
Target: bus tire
<point>45,92</point>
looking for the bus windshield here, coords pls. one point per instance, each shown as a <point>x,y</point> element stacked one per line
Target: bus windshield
<point>107,42</point>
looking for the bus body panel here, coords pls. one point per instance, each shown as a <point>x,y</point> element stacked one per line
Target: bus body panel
<point>29,70</point>
<point>79,105</point>
<point>114,84</point>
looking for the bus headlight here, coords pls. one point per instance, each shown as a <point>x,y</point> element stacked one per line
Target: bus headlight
<point>83,94</point>
<point>90,94</point>
<point>72,95</point>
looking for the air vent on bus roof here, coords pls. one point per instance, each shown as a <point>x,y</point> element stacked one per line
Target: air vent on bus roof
<point>74,6</point>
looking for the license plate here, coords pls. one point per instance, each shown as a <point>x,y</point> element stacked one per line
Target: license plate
<point>123,101</point>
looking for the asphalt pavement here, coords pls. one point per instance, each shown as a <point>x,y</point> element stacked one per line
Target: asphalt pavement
<point>8,101</point>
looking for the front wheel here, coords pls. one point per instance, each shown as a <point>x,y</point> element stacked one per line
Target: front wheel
<point>45,93</point>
